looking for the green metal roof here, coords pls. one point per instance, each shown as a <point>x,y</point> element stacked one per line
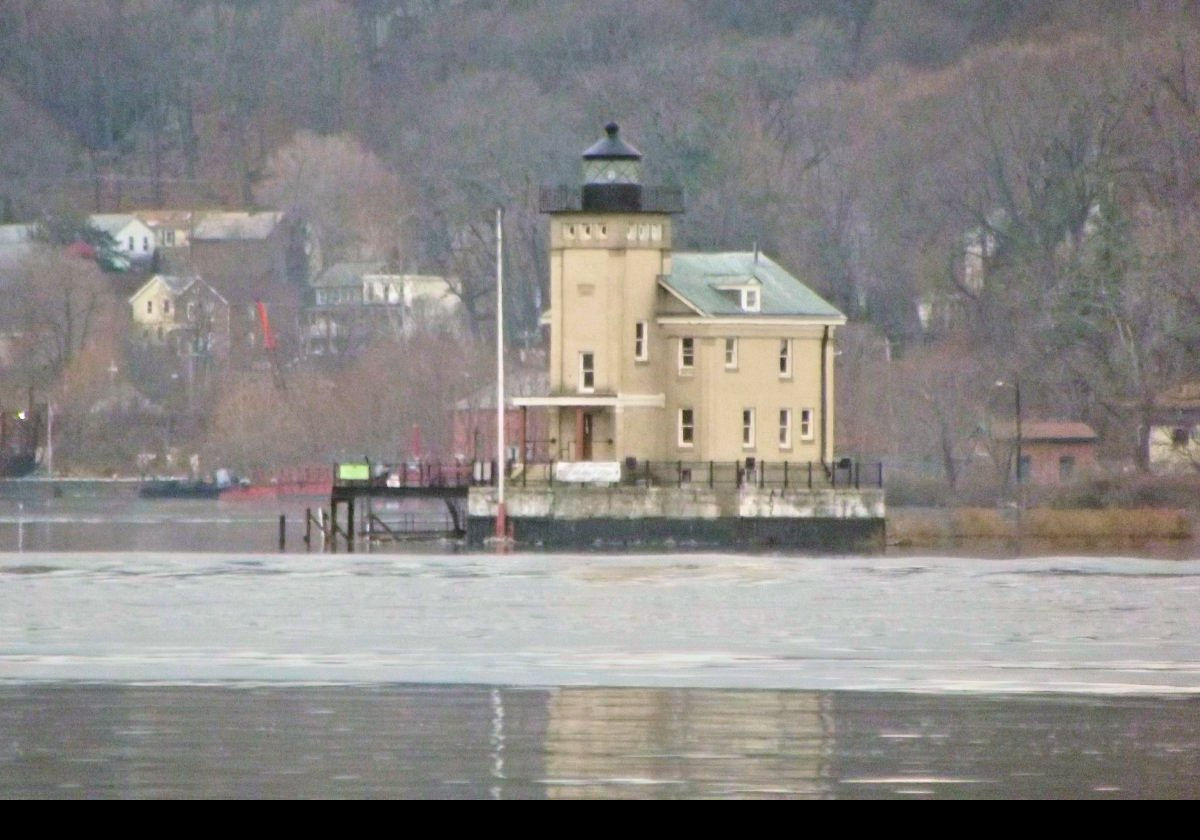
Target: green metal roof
<point>705,281</point>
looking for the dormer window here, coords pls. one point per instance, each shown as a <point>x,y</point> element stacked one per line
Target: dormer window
<point>751,300</point>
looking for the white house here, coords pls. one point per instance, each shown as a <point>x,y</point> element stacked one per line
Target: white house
<point>133,237</point>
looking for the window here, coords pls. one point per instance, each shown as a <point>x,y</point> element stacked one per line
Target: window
<point>131,244</point>
<point>1066,468</point>
<point>806,424</point>
<point>587,372</point>
<point>1024,466</point>
<point>149,307</point>
<point>585,231</point>
<point>1180,437</point>
<point>656,232</point>
<point>750,300</point>
<point>145,243</point>
<point>601,231</point>
<point>568,231</point>
<point>747,428</point>
<point>191,310</point>
<point>168,237</point>
<point>687,355</point>
<point>687,427</point>
<point>785,428</point>
<point>731,354</point>
<point>166,307</point>
<point>785,357</point>
<point>641,350</point>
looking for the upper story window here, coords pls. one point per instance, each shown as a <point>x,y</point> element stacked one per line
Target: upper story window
<point>131,243</point>
<point>587,372</point>
<point>641,345</point>
<point>747,428</point>
<point>568,231</point>
<point>731,354</point>
<point>585,231</point>
<point>751,300</point>
<point>145,243</point>
<point>687,354</point>
<point>166,307</point>
<point>149,307</point>
<point>785,357</point>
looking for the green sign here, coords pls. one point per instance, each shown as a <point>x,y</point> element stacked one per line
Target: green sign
<point>354,472</point>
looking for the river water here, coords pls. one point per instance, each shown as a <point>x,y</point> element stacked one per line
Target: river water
<point>165,650</point>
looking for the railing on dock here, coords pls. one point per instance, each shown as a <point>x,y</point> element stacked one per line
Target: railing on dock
<point>782,475</point>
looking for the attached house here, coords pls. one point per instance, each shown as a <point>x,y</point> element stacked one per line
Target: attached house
<point>681,357</point>
<point>184,313</point>
<point>132,237</point>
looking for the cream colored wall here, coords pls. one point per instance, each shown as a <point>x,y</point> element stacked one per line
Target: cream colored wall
<point>600,287</point>
<point>156,292</point>
<point>718,396</point>
<point>1166,457</point>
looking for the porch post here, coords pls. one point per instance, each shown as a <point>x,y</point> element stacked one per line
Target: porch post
<point>524,421</point>
<point>578,454</point>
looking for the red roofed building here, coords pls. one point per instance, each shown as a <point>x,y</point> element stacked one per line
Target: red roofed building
<point>1053,451</point>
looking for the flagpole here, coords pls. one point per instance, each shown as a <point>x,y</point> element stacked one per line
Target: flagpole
<point>501,513</point>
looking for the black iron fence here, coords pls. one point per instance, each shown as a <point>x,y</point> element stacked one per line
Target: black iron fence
<point>781,475</point>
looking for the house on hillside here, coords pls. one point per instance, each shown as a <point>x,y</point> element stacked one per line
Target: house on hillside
<point>183,313</point>
<point>132,238</point>
<point>667,356</point>
<point>172,228</point>
<point>352,304</point>
<point>1173,439</point>
<point>250,257</point>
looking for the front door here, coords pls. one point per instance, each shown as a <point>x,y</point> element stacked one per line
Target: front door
<point>585,445</point>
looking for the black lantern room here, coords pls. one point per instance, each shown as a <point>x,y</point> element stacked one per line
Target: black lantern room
<point>612,176</point>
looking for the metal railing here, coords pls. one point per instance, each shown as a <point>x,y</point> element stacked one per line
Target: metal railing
<point>781,475</point>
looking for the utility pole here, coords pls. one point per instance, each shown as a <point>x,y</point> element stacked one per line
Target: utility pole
<point>501,513</point>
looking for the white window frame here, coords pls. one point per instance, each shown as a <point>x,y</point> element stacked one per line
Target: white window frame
<point>687,355</point>
<point>785,428</point>
<point>807,427</point>
<point>731,354</point>
<point>641,341</point>
<point>785,358</point>
<point>748,428</point>
<point>687,428</point>
<point>587,370</point>
<point>751,299</point>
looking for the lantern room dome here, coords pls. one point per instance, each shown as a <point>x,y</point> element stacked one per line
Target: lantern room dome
<point>611,146</point>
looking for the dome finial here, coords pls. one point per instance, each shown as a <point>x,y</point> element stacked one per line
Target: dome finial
<point>611,130</point>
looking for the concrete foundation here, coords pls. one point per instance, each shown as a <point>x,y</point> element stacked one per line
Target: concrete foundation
<point>840,521</point>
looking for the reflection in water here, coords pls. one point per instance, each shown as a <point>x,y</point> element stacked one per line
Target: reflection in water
<point>120,740</point>
<point>611,742</point>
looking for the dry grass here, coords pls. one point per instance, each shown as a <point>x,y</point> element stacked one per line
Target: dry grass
<point>927,527</point>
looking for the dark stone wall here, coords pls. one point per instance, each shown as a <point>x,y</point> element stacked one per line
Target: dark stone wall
<point>837,536</point>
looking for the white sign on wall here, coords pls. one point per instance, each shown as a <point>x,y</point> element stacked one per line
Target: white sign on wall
<point>588,472</point>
